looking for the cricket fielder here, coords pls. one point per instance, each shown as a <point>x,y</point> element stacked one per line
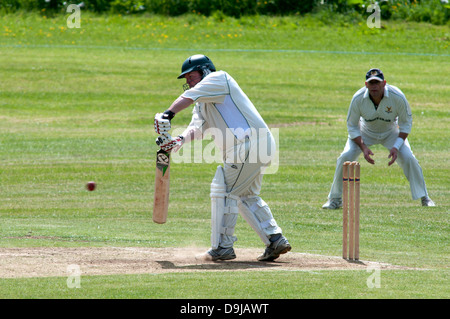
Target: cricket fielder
<point>379,114</point>
<point>223,110</point>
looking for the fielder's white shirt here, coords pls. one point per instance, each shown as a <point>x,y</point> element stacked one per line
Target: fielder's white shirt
<point>222,106</point>
<point>379,121</point>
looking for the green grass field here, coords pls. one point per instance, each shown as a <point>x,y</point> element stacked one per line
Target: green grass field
<point>78,105</point>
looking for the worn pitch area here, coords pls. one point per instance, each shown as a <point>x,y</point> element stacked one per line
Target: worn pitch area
<point>57,261</point>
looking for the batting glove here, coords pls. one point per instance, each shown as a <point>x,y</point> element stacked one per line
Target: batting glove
<point>168,143</point>
<point>162,122</point>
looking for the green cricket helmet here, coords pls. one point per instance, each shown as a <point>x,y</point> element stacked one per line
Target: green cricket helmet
<point>198,62</point>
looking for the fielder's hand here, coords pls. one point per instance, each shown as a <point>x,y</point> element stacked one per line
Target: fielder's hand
<point>162,122</point>
<point>169,143</point>
<point>367,152</point>
<point>392,155</point>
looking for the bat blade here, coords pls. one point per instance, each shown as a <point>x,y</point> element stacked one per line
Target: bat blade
<point>162,179</point>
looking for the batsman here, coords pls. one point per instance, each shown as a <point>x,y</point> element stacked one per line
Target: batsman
<point>224,111</point>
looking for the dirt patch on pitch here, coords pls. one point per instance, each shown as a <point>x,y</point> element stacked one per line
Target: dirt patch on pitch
<point>48,262</point>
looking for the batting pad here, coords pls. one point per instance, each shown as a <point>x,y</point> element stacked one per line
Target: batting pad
<point>224,212</point>
<point>257,214</point>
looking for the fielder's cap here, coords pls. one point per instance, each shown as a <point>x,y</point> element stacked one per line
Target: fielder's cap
<point>374,74</point>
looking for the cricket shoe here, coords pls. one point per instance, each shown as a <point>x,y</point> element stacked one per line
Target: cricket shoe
<point>219,254</point>
<point>275,249</point>
<point>426,201</point>
<point>333,203</point>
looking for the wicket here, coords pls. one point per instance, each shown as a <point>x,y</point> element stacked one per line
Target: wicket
<point>350,207</point>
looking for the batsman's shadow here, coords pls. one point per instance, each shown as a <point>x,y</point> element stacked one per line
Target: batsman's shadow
<point>222,265</point>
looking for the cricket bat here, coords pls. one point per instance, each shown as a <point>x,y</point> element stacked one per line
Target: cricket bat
<point>161,201</point>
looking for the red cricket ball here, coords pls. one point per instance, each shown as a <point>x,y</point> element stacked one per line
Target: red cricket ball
<point>90,186</point>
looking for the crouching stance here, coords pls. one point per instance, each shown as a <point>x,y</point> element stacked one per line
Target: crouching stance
<point>379,114</point>
<point>224,111</point>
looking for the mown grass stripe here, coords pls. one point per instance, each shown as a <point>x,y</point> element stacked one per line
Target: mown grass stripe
<point>107,47</point>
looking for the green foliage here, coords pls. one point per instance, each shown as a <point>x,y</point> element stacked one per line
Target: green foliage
<point>14,5</point>
<point>167,7</point>
<point>340,6</point>
<point>127,6</point>
<point>284,7</point>
<point>234,8</point>
<point>432,11</point>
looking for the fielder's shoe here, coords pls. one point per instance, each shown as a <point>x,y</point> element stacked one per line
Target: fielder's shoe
<point>426,201</point>
<point>279,246</point>
<point>220,254</point>
<point>333,203</point>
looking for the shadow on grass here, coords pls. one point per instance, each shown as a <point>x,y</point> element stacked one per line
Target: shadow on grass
<point>222,265</point>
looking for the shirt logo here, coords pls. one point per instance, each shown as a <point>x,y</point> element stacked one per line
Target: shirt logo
<point>388,109</point>
<point>377,118</point>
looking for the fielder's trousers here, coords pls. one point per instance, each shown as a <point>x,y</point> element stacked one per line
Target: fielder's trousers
<point>405,159</point>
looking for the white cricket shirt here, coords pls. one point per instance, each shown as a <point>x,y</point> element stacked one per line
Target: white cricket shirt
<point>379,121</point>
<point>222,106</point>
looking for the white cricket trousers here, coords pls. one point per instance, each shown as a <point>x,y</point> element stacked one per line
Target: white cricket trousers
<point>405,159</point>
<point>243,172</point>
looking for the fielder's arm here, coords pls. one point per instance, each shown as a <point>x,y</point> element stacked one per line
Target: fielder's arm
<point>398,143</point>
